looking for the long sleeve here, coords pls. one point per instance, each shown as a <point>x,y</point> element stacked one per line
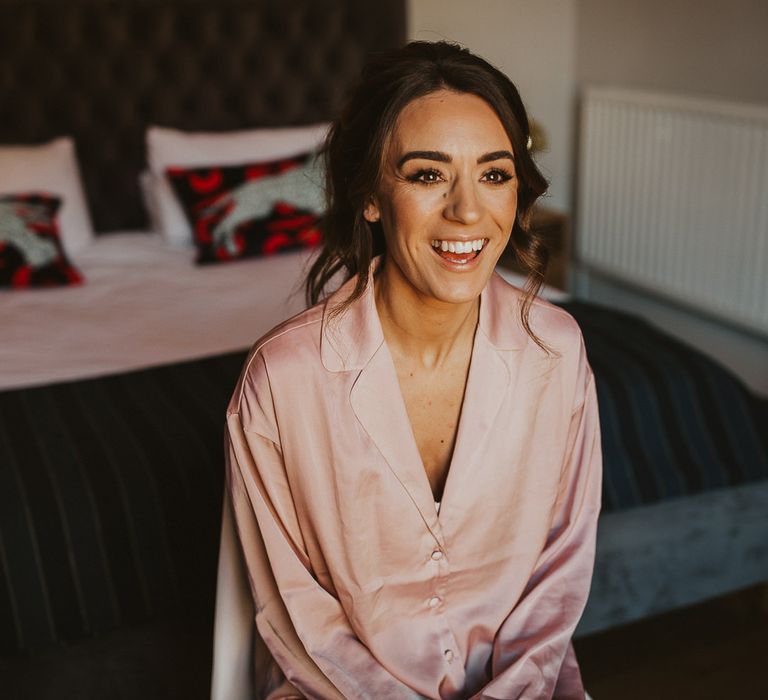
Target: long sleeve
<point>302,624</point>
<point>532,655</point>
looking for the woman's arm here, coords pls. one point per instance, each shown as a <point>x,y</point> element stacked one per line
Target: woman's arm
<point>303,624</point>
<point>532,654</point>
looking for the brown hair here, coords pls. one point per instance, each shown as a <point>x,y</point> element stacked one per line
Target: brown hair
<point>354,151</point>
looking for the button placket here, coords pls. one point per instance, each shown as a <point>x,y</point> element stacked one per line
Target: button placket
<point>436,604</point>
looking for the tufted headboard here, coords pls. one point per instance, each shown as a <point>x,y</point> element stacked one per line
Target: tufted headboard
<point>102,70</point>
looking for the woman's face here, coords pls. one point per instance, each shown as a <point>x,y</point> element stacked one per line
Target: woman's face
<point>447,198</point>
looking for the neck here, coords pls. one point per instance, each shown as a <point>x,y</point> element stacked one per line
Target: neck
<point>421,329</point>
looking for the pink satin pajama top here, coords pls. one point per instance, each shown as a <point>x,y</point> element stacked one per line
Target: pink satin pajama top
<point>361,588</point>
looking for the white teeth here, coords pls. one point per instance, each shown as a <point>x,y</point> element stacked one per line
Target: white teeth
<point>459,246</point>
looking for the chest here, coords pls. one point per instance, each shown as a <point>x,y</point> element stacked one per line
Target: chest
<point>433,401</point>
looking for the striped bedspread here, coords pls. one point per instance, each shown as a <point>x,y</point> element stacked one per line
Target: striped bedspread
<point>110,488</point>
<point>673,421</point>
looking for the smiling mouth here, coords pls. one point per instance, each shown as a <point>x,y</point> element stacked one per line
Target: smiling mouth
<point>459,252</point>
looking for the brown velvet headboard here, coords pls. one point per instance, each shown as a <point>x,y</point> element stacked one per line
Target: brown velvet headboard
<point>102,70</point>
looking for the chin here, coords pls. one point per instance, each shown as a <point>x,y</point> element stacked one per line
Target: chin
<point>459,291</point>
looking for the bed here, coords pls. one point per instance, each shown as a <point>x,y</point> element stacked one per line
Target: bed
<point>111,464</point>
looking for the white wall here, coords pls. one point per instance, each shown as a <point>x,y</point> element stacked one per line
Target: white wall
<point>706,47</point>
<point>533,42</point>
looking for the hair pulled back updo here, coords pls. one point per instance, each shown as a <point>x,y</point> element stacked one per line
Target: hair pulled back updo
<point>355,153</point>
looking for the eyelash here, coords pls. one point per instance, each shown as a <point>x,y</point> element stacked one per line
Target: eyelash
<point>419,174</point>
<point>505,176</point>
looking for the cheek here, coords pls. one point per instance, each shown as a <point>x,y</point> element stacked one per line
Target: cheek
<point>504,208</point>
<point>407,214</point>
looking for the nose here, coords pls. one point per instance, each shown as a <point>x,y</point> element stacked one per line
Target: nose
<point>463,203</point>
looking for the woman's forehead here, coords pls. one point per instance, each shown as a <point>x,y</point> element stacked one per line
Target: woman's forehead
<point>449,121</point>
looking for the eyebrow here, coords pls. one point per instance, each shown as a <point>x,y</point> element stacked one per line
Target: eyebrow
<point>445,158</point>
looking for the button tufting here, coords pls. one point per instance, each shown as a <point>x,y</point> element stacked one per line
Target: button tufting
<point>437,555</point>
<point>229,65</point>
<point>434,601</point>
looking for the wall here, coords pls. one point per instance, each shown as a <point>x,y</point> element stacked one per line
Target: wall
<point>533,42</point>
<point>708,47</point>
<point>716,48</point>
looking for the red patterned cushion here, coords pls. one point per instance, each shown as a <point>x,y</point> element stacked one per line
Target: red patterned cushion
<point>31,254</point>
<point>251,210</point>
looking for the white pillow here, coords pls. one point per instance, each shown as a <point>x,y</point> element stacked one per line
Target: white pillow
<point>172,148</point>
<point>50,167</point>
<point>147,187</point>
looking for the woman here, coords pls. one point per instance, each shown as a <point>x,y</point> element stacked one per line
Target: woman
<point>414,464</point>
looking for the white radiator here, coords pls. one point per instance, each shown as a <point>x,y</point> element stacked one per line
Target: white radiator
<point>673,198</point>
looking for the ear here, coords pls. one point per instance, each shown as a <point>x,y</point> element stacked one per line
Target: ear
<point>371,212</point>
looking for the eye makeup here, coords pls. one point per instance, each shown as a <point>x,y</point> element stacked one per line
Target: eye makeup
<point>432,176</point>
<point>502,174</point>
<point>425,176</point>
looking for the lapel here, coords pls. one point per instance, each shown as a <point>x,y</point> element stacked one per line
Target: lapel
<point>378,404</point>
<point>354,342</point>
<point>488,383</point>
<point>493,373</point>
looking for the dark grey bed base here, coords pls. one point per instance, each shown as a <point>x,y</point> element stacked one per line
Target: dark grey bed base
<point>666,555</point>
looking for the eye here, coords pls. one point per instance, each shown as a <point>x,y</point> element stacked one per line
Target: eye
<point>426,176</point>
<point>497,176</point>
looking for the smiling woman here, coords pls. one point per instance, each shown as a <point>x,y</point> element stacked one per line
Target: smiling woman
<point>414,463</point>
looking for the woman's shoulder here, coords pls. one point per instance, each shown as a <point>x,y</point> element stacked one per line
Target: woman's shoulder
<point>299,333</point>
<point>564,351</point>
<point>287,350</point>
<point>552,324</point>
<point>555,323</point>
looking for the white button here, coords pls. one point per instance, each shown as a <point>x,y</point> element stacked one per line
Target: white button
<point>437,555</point>
<point>433,601</point>
<point>448,655</point>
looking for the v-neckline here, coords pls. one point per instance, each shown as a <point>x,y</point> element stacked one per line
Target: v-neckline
<point>377,402</point>
<point>459,427</point>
